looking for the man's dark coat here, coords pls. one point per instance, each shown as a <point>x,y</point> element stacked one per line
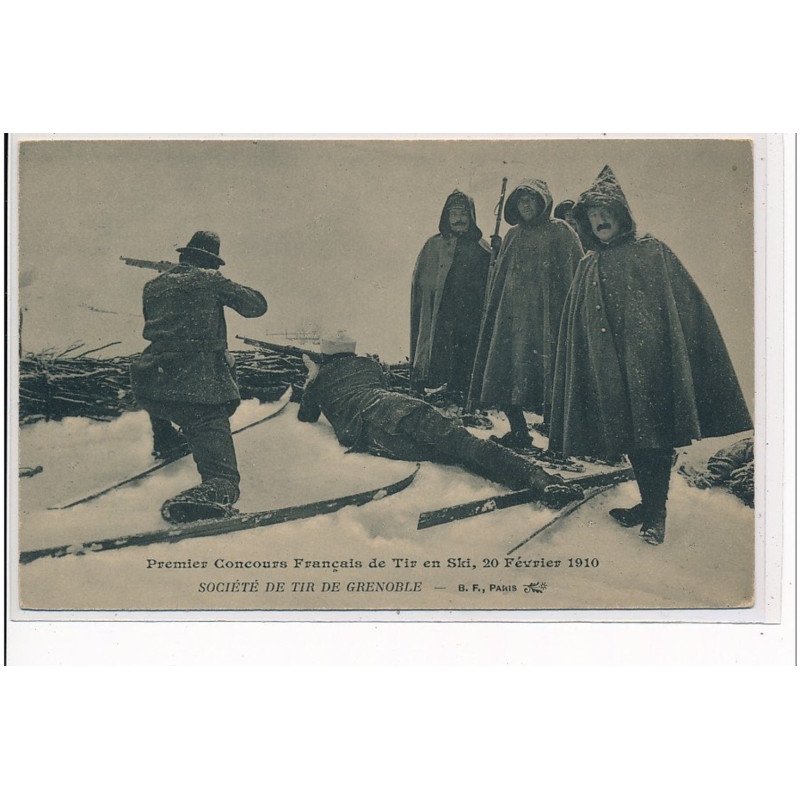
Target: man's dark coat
<point>352,393</point>
<point>640,361</point>
<point>447,295</point>
<point>187,360</point>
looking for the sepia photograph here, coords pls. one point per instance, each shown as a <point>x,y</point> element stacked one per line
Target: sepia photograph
<point>495,374</point>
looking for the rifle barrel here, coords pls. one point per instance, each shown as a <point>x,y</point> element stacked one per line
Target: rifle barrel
<point>281,348</point>
<point>499,216</point>
<point>159,266</point>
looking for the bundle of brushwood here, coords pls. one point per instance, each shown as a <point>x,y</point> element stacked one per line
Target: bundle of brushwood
<point>56,385</point>
<point>266,376</point>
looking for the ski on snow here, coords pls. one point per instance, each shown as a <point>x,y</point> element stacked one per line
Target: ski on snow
<point>284,401</point>
<point>215,527</point>
<point>473,508</point>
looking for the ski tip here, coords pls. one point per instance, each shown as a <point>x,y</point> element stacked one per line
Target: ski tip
<point>67,505</point>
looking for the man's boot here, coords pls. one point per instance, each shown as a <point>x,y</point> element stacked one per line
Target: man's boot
<point>555,493</point>
<point>654,529</point>
<point>628,517</point>
<point>212,499</point>
<point>518,438</point>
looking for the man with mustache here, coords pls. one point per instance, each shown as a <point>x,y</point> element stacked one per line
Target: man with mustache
<point>641,367</point>
<point>447,298</point>
<point>519,330</point>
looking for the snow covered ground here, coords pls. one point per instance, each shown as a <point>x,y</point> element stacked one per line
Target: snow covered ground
<point>706,562</point>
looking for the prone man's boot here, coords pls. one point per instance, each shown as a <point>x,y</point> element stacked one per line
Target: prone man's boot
<point>555,493</point>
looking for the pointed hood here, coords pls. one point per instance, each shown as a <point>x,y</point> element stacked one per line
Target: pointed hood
<point>605,191</point>
<point>454,198</point>
<point>533,186</point>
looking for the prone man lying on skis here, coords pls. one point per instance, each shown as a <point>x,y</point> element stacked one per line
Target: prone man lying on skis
<point>351,391</point>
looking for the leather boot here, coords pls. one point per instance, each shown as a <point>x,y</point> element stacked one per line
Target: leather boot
<point>518,437</point>
<point>654,530</point>
<point>210,500</point>
<point>628,517</point>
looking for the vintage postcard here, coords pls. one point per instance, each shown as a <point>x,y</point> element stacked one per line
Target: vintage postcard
<point>506,375</point>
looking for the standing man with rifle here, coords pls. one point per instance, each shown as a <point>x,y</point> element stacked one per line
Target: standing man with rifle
<point>527,287</point>
<point>447,295</point>
<point>186,377</point>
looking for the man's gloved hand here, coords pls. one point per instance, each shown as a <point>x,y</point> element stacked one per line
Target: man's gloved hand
<point>496,242</point>
<point>558,495</point>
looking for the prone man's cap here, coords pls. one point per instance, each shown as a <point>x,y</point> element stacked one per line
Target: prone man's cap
<point>339,342</point>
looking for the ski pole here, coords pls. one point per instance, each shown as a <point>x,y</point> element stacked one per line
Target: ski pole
<point>565,512</point>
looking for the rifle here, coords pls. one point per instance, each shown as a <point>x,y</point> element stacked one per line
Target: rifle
<point>159,266</point>
<point>285,349</point>
<point>498,218</point>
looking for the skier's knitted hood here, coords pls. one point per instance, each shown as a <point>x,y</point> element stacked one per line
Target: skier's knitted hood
<point>605,191</point>
<point>459,198</point>
<point>533,186</point>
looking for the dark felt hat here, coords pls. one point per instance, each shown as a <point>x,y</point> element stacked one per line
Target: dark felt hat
<point>206,243</point>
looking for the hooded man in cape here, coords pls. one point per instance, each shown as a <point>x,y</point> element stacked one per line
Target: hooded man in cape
<point>447,296</point>
<point>524,300</point>
<point>641,366</point>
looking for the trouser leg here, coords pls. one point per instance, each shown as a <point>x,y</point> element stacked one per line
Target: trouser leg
<point>652,468</point>
<point>637,463</point>
<point>166,438</point>
<point>492,461</point>
<point>428,435</point>
<point>162,429</point>
<point>516,418</point>
<point>660,471</point>
<point>208,430</point>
